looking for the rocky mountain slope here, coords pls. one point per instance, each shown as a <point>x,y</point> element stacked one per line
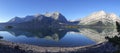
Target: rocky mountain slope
<point>47,20</point>
<point>56,19</point>
<point>108,19</point>
<point>55,16</point>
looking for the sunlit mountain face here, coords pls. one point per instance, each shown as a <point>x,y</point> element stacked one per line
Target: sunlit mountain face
<point>101,18</point>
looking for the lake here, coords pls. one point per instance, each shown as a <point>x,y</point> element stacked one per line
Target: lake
<point>57,37</point>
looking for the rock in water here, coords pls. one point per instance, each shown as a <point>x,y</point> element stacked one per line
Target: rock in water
<point>1,37</point>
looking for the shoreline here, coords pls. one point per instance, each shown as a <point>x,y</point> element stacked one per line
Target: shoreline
<point>25,48</point>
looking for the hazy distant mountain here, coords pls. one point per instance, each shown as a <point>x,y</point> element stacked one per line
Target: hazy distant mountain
<point>73,22</point>
<point>102,17</point>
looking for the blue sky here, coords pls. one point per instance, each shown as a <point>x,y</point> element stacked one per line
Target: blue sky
<point>71,9</point>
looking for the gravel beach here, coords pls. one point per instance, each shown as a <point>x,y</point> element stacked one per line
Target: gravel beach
<point>10,47</point>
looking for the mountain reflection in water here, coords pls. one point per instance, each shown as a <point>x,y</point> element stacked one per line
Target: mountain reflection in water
<point>47,33</point>
<point>58,37</point>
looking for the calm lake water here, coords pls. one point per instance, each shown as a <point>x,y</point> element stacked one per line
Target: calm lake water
<point>56,38</point>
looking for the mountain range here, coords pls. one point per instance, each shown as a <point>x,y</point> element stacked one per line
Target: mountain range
<point>57,20</point>
<point>47,20</point>
<point>55,16</point>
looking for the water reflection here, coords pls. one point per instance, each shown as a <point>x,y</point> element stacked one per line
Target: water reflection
<point>47,37</point>
<point>54,34</point>
<point>98,34</point>
<point>58,37</point>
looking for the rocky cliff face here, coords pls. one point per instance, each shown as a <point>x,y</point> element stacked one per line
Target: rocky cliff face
<point>55,16</point>
<point>107,19</point>
<point>54,19</point>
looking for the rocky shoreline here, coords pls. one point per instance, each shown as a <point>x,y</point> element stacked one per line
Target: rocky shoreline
<point>10,47</point>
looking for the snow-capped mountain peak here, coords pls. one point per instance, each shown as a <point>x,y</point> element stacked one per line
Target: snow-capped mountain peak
<point>55,15</point>
<point>97,14</point>
<point>37,15</point>
<point>100,12</point>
